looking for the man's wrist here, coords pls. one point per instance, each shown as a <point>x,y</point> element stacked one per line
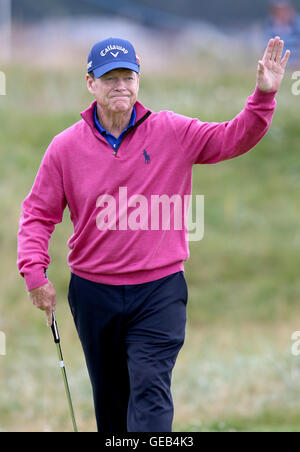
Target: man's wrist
<point>265,91</point>
<point>35,278</point>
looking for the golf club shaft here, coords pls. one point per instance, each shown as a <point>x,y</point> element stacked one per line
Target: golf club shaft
<point>63,370</point>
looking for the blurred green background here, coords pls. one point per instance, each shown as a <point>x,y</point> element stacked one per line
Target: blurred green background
<point>236,371</point>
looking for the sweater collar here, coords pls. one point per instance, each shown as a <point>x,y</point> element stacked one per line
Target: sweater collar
<point>104,131</point>
<point>88,115</point>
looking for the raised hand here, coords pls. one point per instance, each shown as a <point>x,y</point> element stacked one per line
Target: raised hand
<point>270,69</point>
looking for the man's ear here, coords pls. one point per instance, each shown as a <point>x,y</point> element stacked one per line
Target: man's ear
<point>90,83</point>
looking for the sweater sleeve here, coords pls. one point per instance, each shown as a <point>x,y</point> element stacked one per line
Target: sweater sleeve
<point>42,209</point>
<point>212,142</point>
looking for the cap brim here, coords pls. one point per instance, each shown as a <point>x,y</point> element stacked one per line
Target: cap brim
<point>98,72</point>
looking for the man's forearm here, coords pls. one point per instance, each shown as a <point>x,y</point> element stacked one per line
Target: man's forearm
<point>42,209</point>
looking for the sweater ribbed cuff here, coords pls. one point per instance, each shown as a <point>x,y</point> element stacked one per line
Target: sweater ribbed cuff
<point>35,277</point>
<point>260,96</point>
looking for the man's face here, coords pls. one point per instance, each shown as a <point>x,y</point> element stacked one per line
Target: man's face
<point>116,91</point>
<point>283,14</point>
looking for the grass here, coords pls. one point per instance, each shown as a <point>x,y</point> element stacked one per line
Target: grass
<point>235,371</point>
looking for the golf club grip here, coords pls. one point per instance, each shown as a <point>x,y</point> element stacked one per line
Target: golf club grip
<point>55,330</point>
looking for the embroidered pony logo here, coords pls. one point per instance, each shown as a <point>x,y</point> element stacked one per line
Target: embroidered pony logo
<point>147,157</point>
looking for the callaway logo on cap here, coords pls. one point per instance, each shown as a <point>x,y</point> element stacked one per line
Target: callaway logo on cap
<point>112,53</point>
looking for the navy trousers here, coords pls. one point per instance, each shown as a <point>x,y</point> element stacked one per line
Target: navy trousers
<point>131,336</point>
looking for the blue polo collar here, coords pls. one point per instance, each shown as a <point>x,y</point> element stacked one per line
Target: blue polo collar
<point>112,140</point>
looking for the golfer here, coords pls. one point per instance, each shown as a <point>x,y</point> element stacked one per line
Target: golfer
<point>116,169</point>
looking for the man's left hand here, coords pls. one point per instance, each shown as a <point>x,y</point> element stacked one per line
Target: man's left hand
<point>270,69</point>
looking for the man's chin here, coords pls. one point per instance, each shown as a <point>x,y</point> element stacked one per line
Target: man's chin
<point>121,107</point>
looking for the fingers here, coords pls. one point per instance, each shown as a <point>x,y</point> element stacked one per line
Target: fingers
<point>274,51</point>
<point>261,67</point>
<point>268,51</point>
<point>279,49</point>
<point>49,317</point>
<point>275,48</point>
<point>48,311</point>
<point>285,59</point>
<point>44,298</point>
<point>45,302</point>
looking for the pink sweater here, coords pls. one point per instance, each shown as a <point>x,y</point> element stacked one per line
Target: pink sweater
<point>79,169</point>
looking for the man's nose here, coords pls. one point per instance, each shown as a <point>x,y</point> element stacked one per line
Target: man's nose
<point>120,84</point>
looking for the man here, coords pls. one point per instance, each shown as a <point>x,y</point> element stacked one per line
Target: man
<point>284,20</point>
<point>127,291</point>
